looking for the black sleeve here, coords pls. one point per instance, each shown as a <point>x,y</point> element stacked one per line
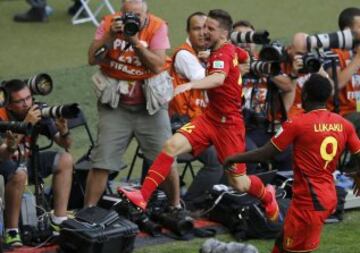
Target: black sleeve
<point>48,128</point>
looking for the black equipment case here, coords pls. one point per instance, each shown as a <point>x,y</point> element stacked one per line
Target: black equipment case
<point>113,236</point>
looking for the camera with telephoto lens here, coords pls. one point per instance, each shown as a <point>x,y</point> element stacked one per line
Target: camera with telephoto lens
<point>178,225</point>
<point>311,63</point>
<point>40,84</point>
<point>257,37</point>
<point>16,127</point>
<point>264,68</point>
<point>273,52</point>
<point>341,39</point>
<point>131,23</point>
<point>67,111</point>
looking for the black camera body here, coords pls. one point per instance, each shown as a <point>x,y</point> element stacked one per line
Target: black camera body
<point>311,63</point>
<point>273,52</point>
<point>131,23</point>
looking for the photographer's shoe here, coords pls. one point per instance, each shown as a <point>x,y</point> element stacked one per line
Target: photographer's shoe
<point>272,209</point>
<point>32,15</point>
<point>134,196</point>
<point>55,228</point>
<point>12,238</point>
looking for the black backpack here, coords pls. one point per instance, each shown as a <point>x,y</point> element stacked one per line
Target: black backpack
<point>244,215</point>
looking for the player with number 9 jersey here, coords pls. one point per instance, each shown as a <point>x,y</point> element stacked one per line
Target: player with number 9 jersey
<point>319,138</point>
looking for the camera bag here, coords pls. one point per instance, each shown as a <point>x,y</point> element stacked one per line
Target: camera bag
<point>244,215</point>
<point>97,230</point>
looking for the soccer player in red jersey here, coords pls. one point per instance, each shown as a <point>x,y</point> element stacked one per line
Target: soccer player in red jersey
<point>221,124</point>
<point>319,137</point>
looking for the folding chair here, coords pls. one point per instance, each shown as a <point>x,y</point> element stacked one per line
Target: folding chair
<point>185,159</point>
<point>89,14</point>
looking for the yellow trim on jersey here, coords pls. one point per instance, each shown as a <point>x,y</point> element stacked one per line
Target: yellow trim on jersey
<point>217,71</point>
<point>157,173</point>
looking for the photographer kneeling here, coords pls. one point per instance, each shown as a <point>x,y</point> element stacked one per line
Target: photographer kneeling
<point>21,107</point>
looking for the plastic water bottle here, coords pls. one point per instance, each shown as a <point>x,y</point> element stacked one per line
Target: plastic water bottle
<point>216,246</point>
<point>49,10</point>
<point>344,181</point>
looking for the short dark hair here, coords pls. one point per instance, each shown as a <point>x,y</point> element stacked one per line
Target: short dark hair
<point>346,17</point>
<point>318,88</point>
<point>223,17</point>
<point>188,20</point>
<point>14,85</point>
<point>244,23</point>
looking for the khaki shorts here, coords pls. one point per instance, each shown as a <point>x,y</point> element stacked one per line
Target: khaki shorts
<point>116,128</point>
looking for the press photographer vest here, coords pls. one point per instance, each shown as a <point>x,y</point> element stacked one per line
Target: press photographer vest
<point>349,96</point>
<point>190,103</point>
<point>125,65</point>
<point>4,115</point>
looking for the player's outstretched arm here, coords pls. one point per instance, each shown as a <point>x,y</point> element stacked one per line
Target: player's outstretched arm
<point>211,81</point>
<point>261,154</point>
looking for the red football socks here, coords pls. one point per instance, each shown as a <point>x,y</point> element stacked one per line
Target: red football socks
<point>157,173</point>
<point>257,189</point>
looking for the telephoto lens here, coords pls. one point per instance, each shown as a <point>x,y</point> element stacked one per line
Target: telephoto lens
<point>40,84</point>
<point>257,37</point>
<point>16,127</point>
<point>180,226</point>
<point>340,39</point>
<point>68,111</point>
<point>260,68</point>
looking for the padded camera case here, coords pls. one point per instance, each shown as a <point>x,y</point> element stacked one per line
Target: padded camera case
<point>102,233</point>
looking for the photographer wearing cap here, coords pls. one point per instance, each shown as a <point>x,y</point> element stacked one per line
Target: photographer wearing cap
<point>21,107</point>
<point>130,48</point>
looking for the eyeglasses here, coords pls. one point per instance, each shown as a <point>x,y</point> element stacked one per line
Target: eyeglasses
<point>22,101</point>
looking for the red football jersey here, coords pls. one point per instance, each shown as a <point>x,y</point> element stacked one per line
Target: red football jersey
<point>225,100</point>
<point>319,138</point>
